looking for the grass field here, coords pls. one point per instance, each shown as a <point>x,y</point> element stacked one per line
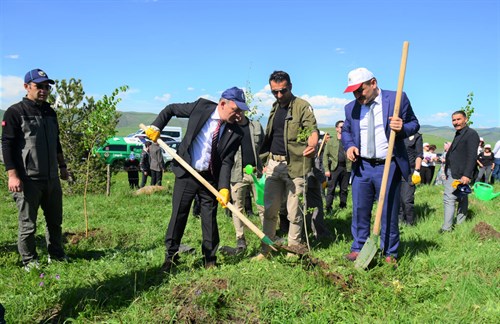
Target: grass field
<point>114,274</point>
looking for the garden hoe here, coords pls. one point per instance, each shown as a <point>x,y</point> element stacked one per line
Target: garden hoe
<point>372,244</point>
<point>263,237</point>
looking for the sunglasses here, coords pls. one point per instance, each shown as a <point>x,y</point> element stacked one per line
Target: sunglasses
<point>282,91</point>
<point>41,86</point>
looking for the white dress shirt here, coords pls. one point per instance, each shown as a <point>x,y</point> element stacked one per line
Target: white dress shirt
<point>201,149</point>
<point>381,142</point>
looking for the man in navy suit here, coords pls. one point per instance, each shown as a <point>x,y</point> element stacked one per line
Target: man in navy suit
<point>365,136</point>
<point>206,119</point>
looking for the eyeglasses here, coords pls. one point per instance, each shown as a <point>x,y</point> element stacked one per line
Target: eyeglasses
<point>42,86</point>
<point>282,91</point>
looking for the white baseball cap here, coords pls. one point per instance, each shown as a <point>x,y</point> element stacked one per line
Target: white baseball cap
<point>356,77</point>
<point>487,146</point>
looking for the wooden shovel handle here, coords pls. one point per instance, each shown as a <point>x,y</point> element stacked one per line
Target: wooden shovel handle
<point>204,182</point>
<point>392,138</point>
<point>322,144</point>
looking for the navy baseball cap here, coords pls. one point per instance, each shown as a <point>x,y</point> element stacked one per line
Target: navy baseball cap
<point>37,76</point>
<point>237,95</point>
<point>462,191</point>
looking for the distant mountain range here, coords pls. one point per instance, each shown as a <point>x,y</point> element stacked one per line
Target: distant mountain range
<point>129,122</point>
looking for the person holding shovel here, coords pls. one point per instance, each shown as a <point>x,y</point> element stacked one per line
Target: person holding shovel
<point>211,141</point>
<point>365,136</point>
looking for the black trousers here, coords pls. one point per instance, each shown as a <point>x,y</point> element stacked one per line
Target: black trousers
<point>133,179</point>
<point>407,204</point>
<point>426,173</point>
<point>145,178</point>
<point>185,189</point>
<point>339,177</point>
<point>156,177</point>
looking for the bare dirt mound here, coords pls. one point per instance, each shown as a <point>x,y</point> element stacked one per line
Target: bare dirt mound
<point>148,190</point>
<point>486,231</point>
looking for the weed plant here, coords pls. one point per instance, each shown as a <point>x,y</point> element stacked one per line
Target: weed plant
<point>114,274</point>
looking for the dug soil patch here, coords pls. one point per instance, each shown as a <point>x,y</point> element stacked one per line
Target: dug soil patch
<point>74,238</point>
<point>486,231</point>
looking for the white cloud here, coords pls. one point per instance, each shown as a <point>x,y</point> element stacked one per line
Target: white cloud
<point>11,90</point>
<point>340,50</point>
<point>164,98</point>
<point>326,109</point>
<point>12,56</point>
<point>190,89</point>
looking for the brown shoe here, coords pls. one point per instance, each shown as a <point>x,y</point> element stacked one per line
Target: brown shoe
<point>391,260</point>
<point>352,256</point>
<point>210,265</point>
<point>259,257</point>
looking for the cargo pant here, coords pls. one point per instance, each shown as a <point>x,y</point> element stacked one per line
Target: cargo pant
<point>238,193</point>
<point>278,183</point>
<point>46,194</point>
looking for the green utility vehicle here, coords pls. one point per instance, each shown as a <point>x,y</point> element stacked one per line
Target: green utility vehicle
<point>117,149</point>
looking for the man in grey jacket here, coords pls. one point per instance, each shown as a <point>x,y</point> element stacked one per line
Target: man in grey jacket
<point>34,162</point>
<point>253,135</point>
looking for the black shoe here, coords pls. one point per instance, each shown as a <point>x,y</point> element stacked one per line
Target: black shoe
<point>329,211</point>
<point>168,265</point>
<point>241,243</point>
<point>343,206</point>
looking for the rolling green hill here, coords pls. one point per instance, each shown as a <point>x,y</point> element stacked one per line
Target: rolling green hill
<point>437,135</point>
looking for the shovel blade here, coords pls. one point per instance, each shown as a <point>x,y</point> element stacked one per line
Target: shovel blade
<point>367,253</point>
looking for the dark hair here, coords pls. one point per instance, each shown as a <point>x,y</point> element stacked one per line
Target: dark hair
<point>338,122</point>
<point>460,112</point>
<point>432,147</point>
<point>148,143</point>
<point>280,76</point>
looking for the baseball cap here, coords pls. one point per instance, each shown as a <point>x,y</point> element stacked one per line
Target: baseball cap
<point>237,95</point>
<point>356,77</point>
<point>426,144</point>
<point>37,76</point>
<point>487,146</point>
<point>481,139</point>
<point>462,190</point>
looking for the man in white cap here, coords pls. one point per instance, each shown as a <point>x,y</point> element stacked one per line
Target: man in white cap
<point>365,137</point>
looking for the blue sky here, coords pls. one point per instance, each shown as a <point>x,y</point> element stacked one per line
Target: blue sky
<point>176,51</point>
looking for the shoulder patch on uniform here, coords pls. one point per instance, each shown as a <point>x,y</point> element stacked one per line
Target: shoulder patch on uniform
<point>310,108</point>
<point>3,123</point>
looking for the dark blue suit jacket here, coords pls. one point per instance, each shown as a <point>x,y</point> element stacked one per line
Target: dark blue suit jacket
<point>351,130</point>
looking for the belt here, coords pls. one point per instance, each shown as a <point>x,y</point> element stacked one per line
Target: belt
<point>277,158</point>
<point>375,161</point>
<point>205,174</point>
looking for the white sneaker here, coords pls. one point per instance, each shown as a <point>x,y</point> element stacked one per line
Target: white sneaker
<point>32,265</point>
<point>64,258</point>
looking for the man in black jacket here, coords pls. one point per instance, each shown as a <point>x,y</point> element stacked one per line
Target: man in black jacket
<point>34,162</point>
<point>211,141</point>
<point>144,164</point>
<point>460,165</point>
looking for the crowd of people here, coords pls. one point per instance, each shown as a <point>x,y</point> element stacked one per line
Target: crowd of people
<point>300,169</point>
